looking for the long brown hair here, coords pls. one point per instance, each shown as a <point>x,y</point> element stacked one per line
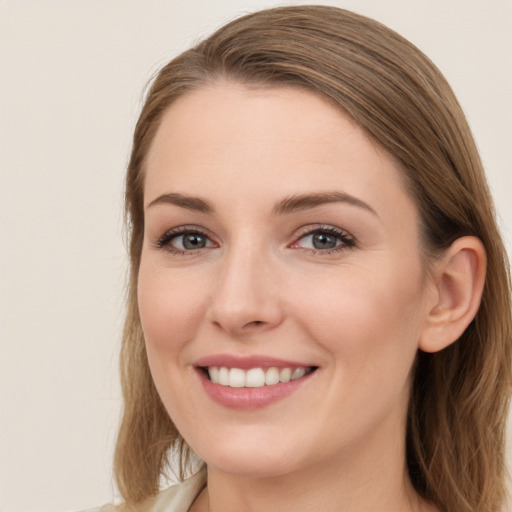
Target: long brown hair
<point>459,397</point>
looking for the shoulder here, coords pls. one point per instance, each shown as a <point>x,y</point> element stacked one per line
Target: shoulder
<point>177,498</point>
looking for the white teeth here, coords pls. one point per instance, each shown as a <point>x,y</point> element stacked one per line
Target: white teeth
<point>214,374</point>
<point>271,376</point>
<point>298,373</point>
<point>224,376</point>
<point>255,377</point>
<point>285,375</point>
<point>236,378</point>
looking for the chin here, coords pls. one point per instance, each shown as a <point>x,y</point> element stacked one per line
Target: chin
<point>250,459</point>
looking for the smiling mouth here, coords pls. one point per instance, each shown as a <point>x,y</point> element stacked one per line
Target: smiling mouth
<point>254,377</point>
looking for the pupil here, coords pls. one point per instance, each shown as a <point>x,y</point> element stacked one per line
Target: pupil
<point>324,241</point>
<point>194,241</point>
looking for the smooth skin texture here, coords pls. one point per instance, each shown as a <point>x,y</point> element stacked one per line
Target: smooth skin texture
<point>335,282</point>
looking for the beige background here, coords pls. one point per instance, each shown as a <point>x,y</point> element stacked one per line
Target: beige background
<point>72,72</point>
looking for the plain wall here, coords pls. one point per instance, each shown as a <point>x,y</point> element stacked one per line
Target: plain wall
<point>72,74</point>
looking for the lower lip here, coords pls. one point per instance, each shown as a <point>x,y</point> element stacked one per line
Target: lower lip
<point>250,398</point>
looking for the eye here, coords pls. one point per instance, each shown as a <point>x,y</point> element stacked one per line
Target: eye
<point>184,239</point>
<point>189,241</point>
<point>324,239</point>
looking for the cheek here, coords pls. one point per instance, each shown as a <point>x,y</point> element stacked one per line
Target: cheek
<point>170,308</point>
<point>367,321</point>
<point>171,311</point>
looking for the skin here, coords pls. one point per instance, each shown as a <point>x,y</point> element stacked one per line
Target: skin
<point>259,286</point>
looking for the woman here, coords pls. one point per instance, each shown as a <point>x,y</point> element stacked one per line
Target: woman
<point>319,301</point>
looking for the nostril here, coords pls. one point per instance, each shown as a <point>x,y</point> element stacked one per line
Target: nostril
<point>254,323</point>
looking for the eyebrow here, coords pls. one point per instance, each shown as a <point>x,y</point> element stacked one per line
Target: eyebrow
<point>305,201</point>
<point>183,201</point>
<point>287,205</point>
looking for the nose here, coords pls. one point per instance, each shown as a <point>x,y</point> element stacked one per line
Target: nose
<point>245,299</point>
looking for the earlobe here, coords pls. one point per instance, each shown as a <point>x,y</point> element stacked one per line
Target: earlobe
<point>458,280</point>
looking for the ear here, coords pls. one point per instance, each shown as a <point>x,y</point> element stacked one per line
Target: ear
<point>457,281</point>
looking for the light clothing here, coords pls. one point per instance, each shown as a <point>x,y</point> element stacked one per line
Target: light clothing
<point>177,498</point>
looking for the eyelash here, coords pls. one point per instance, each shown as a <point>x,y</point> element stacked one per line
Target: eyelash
<point>169,236</point>
<point>347,240</point>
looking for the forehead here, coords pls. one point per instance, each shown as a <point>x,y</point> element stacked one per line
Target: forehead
<point>233,111</point>
<point>266,142</point>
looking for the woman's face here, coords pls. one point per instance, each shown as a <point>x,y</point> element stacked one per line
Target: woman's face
<point>279,244</point>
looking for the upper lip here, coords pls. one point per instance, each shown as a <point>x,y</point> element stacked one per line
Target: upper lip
<point>247,362</point>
